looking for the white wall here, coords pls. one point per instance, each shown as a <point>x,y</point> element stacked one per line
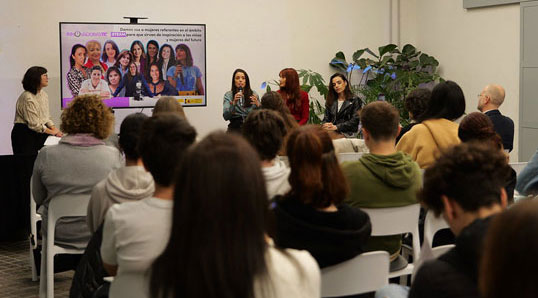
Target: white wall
<point>260,36</point>
<point>474,47</point>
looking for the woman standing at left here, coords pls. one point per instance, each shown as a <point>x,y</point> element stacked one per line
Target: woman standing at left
<point>239,101</point>
<point>32,118</point>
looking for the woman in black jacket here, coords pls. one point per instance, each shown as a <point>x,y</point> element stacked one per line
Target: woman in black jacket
<point>312,216</point>
<point>341,107</point>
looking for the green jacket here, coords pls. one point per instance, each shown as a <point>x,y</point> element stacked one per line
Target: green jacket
<point>381,181</point>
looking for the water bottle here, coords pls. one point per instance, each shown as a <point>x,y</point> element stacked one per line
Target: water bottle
<point>138,91</point>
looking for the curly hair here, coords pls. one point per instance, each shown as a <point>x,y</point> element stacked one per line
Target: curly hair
<point>88,114</point>
<point>416,101</point>
<point>471,174</point>
<point>478,127</point>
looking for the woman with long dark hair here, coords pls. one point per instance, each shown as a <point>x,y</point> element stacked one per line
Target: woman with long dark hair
<point>130,81</point>
<point>239,101</point>
<point>218,246</point>
<point>139,55</point>
<point>152,48</point>
<point>78,72</point>
<point>113,77</point>
<point>185,76</point>
<point>437,129</point>
<point>166,59</point>
<point>124,59</point>
<point>312,216</point>
<point>341,107</point>
<point>295,98</point>
<point>159,86</point>
<point>110,53</point>
<point>32,118</point>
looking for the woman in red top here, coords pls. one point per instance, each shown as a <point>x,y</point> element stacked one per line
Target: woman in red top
<point>296,99</point>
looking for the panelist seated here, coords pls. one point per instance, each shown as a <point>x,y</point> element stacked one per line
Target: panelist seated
<point>341,108</point>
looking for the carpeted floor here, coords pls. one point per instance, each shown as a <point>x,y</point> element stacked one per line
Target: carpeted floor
<point>16,274</point>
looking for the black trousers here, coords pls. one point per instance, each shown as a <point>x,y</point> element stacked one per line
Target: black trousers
<point>26,141</point>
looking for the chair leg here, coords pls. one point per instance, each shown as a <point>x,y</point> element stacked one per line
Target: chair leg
<point>32,263</point>
<point>43,271</point>
<point>50,272</point>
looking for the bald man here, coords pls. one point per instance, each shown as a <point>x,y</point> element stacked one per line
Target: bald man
<point>489,100</point>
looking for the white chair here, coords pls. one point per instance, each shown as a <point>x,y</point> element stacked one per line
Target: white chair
<point>440,250</point>
<point>432,225</point>
<point>362,274</point>
<point>34,219</point>
<point>396,221</point>
<point>60,206</point>
<point>343,157</point>
<point>518,166</point>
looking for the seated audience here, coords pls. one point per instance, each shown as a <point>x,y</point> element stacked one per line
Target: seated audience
<point>74,166</point>
<point>437,129</point>
<point>265,130</point>
<point>168,104</point>
<point>312,215</point>
<point>218,246</point>
<point>384,177</point>
<point>507,267</point>
<point>273,101</point>
<point>341,108</point>
<point>527,180</point>
<point>415,103</point>
<point>477,127</point>
<point>489,101</point>
<point>479,172</point>
<point>129,183</point>
<point>135,233</point>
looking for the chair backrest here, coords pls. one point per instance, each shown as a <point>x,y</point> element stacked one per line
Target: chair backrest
<point>518,166</point>
<point>440,250</point>
<point>362,274</point>
<point>65,206</point>
<point>342,157</point>
<point>396,220</point>
<point>432,225</point>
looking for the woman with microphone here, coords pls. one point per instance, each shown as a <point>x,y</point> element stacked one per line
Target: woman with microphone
<point>239,101</point>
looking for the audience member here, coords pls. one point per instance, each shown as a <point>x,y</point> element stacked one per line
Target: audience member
<point>415,103</point>
<point>527,181</point>
<point>507,267</point>
<point>168,104</point>
<point>74,166</point>
<point>489,101</point>
<point>477,127</point>
<point>273,101</point>
<point>384,177</point>
<point>437,129</point>
<point>129,183</point>
<point>265,130</point>
<point>135,233</point>
<point>479,172</point>
<point>341,107</point>
<point>218,246</point>
<point>295,98</point>
<point>312,215</point>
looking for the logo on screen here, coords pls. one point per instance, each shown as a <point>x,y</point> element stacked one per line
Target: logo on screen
<point>118,34</point>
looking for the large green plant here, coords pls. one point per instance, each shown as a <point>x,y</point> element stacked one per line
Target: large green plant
<point>388,75</point>
<point>308,80</point>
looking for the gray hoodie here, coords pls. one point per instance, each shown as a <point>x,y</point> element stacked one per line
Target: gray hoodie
<point>126,184</point>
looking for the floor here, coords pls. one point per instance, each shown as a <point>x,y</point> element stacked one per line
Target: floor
<point>16,274</point>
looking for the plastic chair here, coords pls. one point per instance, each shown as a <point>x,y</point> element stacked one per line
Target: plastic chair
<point>362,274</point>
<point>432,225</point>
<point>518,166</point>
<point>34,219</point>
<point>396,221</point>
<point>440,250</point>
<point>60,206</point>
<point>343,157</point>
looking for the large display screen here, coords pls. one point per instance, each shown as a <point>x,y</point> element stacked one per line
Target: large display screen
<point>133,65</point>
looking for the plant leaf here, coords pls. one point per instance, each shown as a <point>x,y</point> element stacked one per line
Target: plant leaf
<point>357,55</point>
<point>371,53</point>
<point>386,49</point>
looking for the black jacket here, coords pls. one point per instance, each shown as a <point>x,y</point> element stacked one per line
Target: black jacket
<point>346,119</point>
<point>455,273</point>
<point>90,271</point>
<point>504,126</point>
<point>330,237</point>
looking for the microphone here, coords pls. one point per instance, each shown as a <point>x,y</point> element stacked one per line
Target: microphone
<point>241,99</point>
